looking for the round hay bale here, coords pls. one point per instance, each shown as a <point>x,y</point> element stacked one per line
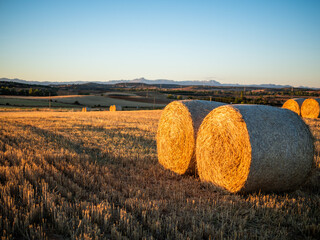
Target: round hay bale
<point>114,108</point>
<point>311,108</point>
<point>294,105</point>
<point>244,148</point>
<point>176,135</point>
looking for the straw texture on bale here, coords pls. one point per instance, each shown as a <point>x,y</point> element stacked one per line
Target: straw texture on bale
<point>311,108</point>
<point>294,105</point>
<point>244,148</point>
<point>176,135</point>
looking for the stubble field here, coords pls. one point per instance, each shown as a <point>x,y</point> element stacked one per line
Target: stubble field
<point>95,175</point>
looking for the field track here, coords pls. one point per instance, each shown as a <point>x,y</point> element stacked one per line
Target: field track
<point>95,175</point>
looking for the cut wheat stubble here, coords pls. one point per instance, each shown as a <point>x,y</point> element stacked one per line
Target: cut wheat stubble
<point>244,148</point>
<point>177,131</point>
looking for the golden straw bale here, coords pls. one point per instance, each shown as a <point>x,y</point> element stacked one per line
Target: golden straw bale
<point>114,108</point>
<point>294,105</point>
<point>311,108</point>
<point>244,148</point>
<point>177,130</point>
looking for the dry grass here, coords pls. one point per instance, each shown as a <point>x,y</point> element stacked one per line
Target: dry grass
<point>294,105</point>
<point>311,108</point>
<point>254,147</point>
<point>69,175</point>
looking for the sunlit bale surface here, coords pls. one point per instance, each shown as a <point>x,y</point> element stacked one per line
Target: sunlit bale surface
<point>177,131</point>
<point>294,105</point>
<point>311,108</point>
<point>254,147</point>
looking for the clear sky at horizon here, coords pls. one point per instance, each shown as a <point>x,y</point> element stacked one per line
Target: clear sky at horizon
<point>230,41</point>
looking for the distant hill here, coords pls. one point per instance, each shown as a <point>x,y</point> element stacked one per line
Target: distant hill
<point>165,81</point>
<point>151,82</point>
<point>45,83</point>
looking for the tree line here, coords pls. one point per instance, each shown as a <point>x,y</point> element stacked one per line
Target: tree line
<point>27,92</point>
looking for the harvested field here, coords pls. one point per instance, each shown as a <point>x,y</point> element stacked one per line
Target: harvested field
<point>70,100</point>
<point>139,99</point>
<point>73,175</point>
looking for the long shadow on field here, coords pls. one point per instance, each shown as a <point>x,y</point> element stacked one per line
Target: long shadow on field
<point>139,167</point>
<point>132,179</point>
<point>142,171</point>
<point>145,191</point>
<point>96,154</point>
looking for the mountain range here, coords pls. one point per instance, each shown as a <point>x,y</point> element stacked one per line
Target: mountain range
<point>152,82</point>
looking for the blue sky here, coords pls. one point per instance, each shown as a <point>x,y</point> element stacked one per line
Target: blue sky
<point>245,42</point>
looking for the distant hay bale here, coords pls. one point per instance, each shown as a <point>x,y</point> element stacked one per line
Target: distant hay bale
<point>177,130</point>
<point>294,105</point>
<point>244,148</point>
<point>311,108</point>
<point>114,108</point>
